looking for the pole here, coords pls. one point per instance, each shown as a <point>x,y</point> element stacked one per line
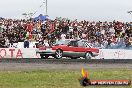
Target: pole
<point>46,7</point>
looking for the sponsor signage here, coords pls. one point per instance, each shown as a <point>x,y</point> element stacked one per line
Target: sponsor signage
<point>18,53</point>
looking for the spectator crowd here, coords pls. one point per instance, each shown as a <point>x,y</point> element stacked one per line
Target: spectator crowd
<point>113,35</point>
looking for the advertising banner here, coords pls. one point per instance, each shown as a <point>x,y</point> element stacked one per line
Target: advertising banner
<point>114,54</point>
<point>31,53</point>
<point>18,53</point>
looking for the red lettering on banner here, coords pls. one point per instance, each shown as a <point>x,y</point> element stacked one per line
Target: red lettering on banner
<point>1,53</point>
<point>19,54</point>
<point>11,52</point>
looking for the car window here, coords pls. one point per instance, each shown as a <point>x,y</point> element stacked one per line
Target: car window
<point>86,45</point>
<point>83,44</point>
<point>61,42</point>
<point>73,43</point>
<point>80,44</point>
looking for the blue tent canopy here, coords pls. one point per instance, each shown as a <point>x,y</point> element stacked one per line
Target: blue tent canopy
<point>41,17</point>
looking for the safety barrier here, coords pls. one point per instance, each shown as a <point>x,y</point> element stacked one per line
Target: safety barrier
<point>114,54</point>
<point>18,53</point>
<point>31,53</point>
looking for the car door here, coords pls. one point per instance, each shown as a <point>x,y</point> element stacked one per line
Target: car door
<point>87,47</point>
<point>80,49</point>
<point>71,49</point>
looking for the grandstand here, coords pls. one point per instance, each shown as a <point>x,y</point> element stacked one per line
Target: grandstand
<point>29,33</point>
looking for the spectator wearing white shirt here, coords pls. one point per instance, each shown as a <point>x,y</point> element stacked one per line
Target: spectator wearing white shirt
<point>102,31</point>
<point>7,44</point>
<point>112,30</point>
<point>84,35</point>
<point>46,42</point>
<point>71,29</point>
<point>63,36</point>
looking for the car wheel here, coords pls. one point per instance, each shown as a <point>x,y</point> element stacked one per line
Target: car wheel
<point>88,55</point>
<point>42,56</point>
<point>46,56</point>
<point>58,54</point>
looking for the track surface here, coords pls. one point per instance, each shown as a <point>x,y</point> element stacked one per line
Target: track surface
<point>40,64</point>
<point>36,66</point>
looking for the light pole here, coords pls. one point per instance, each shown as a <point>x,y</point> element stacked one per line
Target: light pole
<point>45,4</point>
<point>46,8</point>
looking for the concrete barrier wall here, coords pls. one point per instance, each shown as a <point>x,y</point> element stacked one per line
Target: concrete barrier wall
<point>114,54</point>
<point>31,53</point>
<point>18,53</point>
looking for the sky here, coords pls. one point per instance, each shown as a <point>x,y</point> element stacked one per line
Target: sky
<point>92,10</point>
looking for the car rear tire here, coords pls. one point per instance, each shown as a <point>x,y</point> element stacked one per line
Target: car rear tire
<point>58,54</point>
<point>46,56</point>
<point>42,56</point>
<point>88,55</point>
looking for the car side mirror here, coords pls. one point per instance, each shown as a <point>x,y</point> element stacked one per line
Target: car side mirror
<point>68,45</point>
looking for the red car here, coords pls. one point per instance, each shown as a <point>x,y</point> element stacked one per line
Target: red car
<point>69,48</point>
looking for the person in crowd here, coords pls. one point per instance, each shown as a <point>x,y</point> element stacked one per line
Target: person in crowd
<point>46,42</point>
<point>2,41</point>
<point>100,34</point>
<point>11,42</point>
<point>26,43</point>
<point>7,44</point>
